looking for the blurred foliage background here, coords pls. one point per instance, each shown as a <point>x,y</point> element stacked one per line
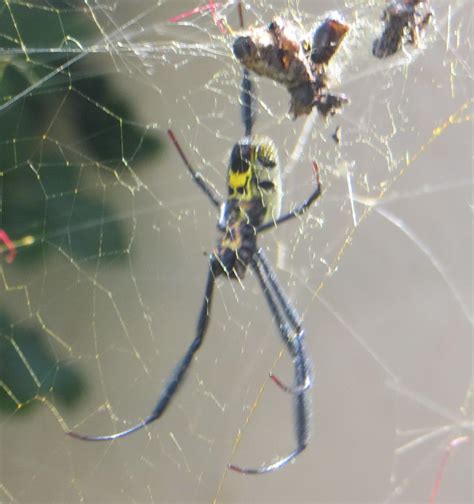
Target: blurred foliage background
<point>59,136</point>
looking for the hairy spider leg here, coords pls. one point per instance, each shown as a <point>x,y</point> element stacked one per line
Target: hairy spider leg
<point>176,377</point>
<point>296,349</point>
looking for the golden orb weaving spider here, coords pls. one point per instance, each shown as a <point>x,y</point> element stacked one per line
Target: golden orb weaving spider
<point>251,208</point>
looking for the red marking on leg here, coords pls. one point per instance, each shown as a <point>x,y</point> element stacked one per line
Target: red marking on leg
<point>316,172</point>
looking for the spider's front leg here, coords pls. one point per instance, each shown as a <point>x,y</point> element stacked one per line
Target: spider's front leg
<point>300,209</point>
<point>196,176</point>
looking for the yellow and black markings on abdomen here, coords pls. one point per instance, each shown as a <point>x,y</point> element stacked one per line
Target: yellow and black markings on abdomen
<point>254,176</point>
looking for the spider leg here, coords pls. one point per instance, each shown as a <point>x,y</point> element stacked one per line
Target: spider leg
<point>296,349</point>
<point>247,97</point>
<point>294,339</point>
<point>291,389</point>
<point>176,378</point>
<point>196,176</point>
<point>300,209</point>
<point>269,468</point>
<point>288,308</point>
<point>292,316</point>
<point>247,103</point>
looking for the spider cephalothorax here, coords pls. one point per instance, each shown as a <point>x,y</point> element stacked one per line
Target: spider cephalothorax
<point>234,251</point>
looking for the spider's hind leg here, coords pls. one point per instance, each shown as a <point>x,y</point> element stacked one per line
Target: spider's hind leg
<point>301,365</point>
<point>295,324</point>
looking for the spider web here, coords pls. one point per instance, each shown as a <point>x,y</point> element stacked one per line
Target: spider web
<point>111,236</point>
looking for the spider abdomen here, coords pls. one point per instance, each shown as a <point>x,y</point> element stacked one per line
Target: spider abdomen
<point>254,183</point>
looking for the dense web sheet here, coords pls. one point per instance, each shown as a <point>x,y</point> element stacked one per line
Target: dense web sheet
<point>111,235</point>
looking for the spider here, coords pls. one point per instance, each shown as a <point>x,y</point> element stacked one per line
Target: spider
<point>405,21</point>
<point>251,208</point>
